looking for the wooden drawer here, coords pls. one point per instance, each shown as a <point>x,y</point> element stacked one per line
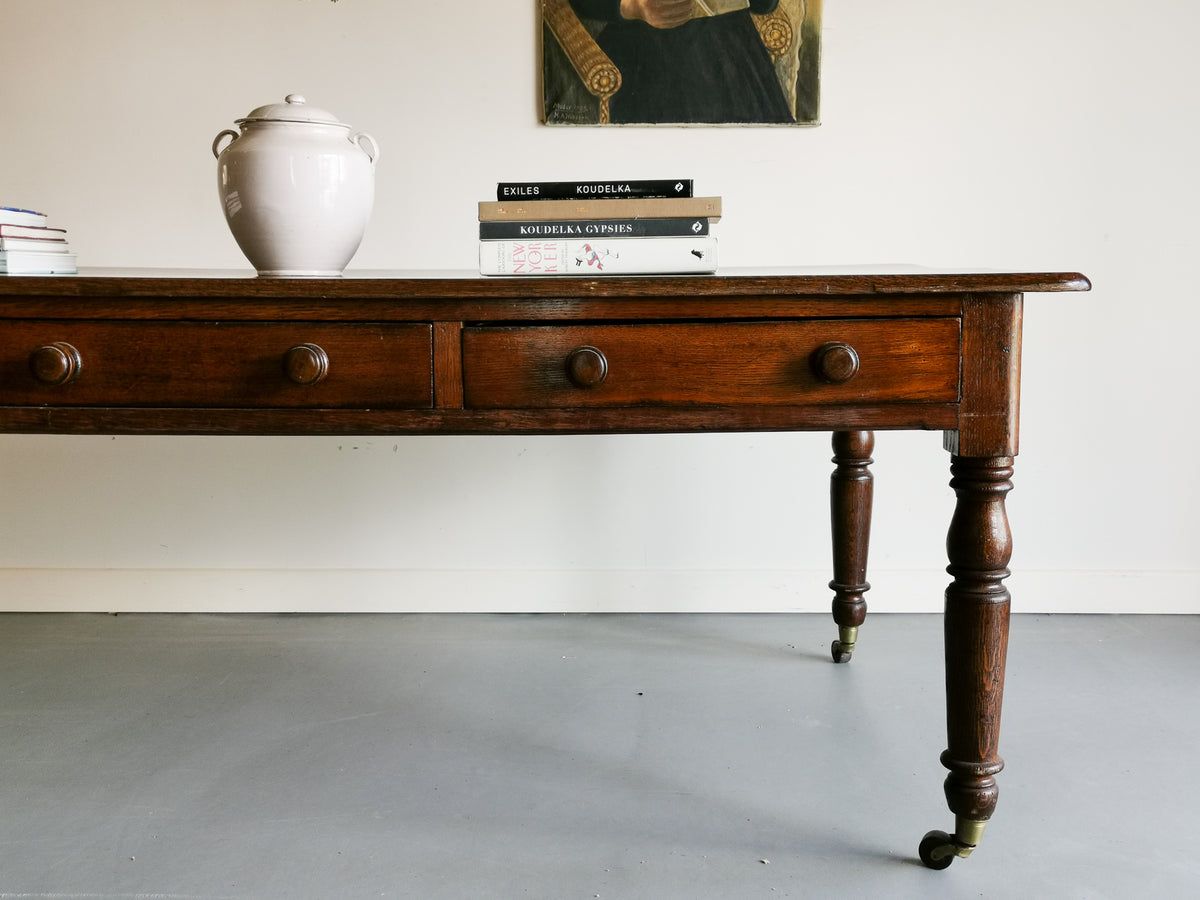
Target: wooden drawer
<point>682,364</point>
<point>192,364</point>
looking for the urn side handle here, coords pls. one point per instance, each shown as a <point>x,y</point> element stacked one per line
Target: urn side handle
<point>233,135</point>
<point>368,146</point>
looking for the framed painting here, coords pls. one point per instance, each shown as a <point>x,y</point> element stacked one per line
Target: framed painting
<point>681,62</point>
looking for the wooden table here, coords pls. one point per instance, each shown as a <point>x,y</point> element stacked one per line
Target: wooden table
<point>174,352</point>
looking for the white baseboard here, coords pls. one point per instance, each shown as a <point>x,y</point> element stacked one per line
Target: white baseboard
<point>588,591</point>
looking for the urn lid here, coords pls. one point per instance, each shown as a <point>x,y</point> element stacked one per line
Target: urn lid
<point>294,108</point>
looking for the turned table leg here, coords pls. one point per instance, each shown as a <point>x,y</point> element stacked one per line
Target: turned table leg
<point>850,491</point>
<point>979,546</point>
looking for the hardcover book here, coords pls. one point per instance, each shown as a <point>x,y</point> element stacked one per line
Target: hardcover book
<point>617,256</point>
<point>626,208</point>
<point>11,215</point>
<point>594,228</point>
<point>32,231</point>
<point>29,262</point>
<point>568,190</point>
<point>39,245</point>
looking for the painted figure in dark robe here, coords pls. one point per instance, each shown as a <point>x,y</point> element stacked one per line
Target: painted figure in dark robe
<point>678,67</point>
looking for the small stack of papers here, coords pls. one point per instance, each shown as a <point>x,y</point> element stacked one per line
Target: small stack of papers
<point>28,246</point>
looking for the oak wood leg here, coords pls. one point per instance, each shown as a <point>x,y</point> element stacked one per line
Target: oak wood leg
<point>979,546</point>
<point>850,493</point>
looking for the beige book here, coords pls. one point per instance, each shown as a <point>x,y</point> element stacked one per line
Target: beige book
<point>622,208</point>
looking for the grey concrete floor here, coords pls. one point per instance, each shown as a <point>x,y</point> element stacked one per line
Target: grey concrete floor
<point>449,756</point>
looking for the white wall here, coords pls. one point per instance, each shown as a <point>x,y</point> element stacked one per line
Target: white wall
<point>1059,135</point>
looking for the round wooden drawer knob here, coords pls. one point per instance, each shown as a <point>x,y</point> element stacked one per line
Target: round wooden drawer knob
<point>57,363</point>
<point>306,364</point>
<point>586,367</point>
<point>835,362</point>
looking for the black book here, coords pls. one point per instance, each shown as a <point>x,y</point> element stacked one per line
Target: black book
<point>593,190</point>
<point>593,228</point>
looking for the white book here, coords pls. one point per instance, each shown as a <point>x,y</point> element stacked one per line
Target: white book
<point>11,215</point>
<point>604,256</point>
<point>39,245</point>
<point>32,231</point>
<point>31,262</point>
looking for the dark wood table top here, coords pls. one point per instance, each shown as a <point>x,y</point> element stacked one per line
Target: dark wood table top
<point>844,280</point>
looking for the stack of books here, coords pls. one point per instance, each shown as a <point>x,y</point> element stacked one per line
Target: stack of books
<point>597,228</point>
<point>29,247</point>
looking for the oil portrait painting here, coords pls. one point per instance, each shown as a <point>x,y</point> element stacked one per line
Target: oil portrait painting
<point>681,62</point>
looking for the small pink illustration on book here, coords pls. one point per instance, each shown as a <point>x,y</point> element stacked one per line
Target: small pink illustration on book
<point>593,258</point>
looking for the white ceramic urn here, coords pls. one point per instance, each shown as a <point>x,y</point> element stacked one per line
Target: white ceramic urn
<point>297,188</point>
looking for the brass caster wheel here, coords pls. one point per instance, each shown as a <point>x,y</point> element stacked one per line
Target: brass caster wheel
<point>937,850</point>
<point>841,654</point>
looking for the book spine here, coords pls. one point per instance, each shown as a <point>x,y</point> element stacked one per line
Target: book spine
<point>575,190</point>
<point>32,231</point>
<point>610,256</point>
<point>594,228</point>
<point>39,245</point>
<point>621,208</point>
<point>13,216</point>
<point>33,263</point>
